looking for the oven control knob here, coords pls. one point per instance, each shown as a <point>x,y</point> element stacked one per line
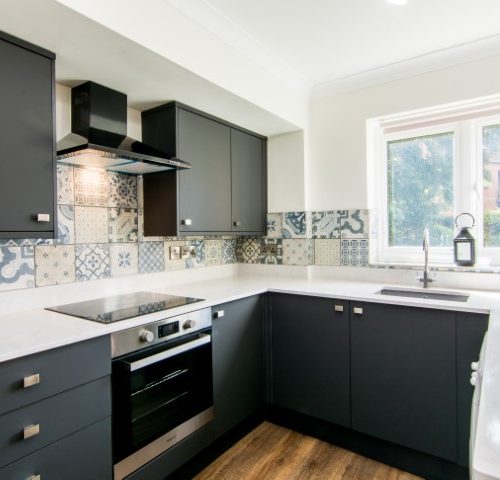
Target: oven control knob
<point>146,336</point>
<point>188,324</point>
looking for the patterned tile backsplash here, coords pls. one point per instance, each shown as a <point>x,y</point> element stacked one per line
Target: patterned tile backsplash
<point>100,235</point>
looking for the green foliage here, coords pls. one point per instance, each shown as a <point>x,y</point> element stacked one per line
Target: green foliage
<point>491,222</point>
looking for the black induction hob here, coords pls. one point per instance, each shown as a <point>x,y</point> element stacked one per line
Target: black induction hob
<point>122,307</point>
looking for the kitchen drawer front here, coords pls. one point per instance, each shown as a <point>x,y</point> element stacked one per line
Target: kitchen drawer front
<point>84,455</point>
<point>56,416</point>
<point>58,370</point>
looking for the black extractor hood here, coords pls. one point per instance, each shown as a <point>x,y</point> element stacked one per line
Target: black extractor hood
<point>99,135</point>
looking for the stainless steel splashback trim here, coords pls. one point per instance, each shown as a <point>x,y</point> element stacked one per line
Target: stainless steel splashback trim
<point>152,450</point>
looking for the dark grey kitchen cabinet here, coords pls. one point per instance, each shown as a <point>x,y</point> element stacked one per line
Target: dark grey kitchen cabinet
<point>238,361</point>
<point>223,192</point>
<point>471,328</point>
<point>403,376</point>
<point>310,371</point>
<point>27,139</point>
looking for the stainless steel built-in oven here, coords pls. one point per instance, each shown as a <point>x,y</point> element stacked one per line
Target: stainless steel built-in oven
<point>162,387</point>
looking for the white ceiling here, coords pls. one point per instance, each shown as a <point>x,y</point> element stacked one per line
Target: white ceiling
<point>328,40</point>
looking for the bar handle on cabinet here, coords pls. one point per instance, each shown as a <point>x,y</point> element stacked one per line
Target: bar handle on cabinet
<point>31,431</point>
<point>187,222</point>
<point>43,217</point>
<point>31,380</point>
<point>35,477</point>
<point>237,223</point>
<point>357,310</point>
<point>219,314</point>
<point>339,308</point>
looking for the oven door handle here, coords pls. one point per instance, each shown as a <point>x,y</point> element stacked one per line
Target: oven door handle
<point>172,352</point>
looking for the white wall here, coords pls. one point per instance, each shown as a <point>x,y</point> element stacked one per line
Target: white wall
<point>338,166</point>
<point>63,115</point>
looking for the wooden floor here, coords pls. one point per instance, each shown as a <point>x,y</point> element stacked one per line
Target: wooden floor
<point>275,453</point>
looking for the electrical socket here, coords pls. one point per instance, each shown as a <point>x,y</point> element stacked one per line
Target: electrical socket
<point>175,253</point>
<point>188,251</point>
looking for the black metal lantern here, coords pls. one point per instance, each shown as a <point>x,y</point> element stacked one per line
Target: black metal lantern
<point>464,244</point>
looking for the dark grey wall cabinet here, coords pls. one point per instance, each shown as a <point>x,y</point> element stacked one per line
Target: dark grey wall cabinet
<point>224,192</point>
<point>403,377</point>
<point>27,139</point>
<point>471,328</point>
<point>310,356</point>
<point>238,361</point>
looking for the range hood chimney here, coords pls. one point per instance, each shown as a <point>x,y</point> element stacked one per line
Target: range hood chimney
<point>99,135</point>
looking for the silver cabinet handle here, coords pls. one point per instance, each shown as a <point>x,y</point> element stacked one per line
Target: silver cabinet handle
<point>43,217</point>
<point>339,308</point>
<point>219,314</point>
<point>31,380</point>
<point>187,222</point>
<point>35,477</point>
<point>31,431</point>
<point>357,310</point>
<point>237,223</point>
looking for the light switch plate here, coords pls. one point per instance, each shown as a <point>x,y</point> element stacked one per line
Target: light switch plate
<point>175,253</point>
<point>188,251</point>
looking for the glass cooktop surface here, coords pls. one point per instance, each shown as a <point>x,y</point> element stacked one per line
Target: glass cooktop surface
<point>122,307</point>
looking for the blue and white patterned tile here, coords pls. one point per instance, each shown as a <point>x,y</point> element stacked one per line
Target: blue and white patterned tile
<point>122,190</point>
<point>124,259</point>
<point>91,187</point>
<point>325,225</point>
<point>248,249</point>
<point>65,224</point>
<point>274,225</point>
<point>213,252</point>
<point>327,251</point>
<point>151,257</point>
<point>354,253</point>
<point>229,251</point>
<point>271,251</point>
<point>199,254</point>
<point>54,265</point>
<point>16,242</point>
<point>296,225</point>
<point>91,225</point>
<point>65,185</point>
<point>353,223</point>
<point>92,262</point>
<point>298,251</point>
<point>17,267</point>
<point>122,224</point>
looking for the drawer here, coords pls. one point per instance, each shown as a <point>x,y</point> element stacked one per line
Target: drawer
<point>56,416</point>
<point>59,369</point>
<point>84,455</point>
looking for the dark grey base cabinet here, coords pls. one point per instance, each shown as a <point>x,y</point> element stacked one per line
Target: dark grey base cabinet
<point>238,361</point>
<point>223,192</point>
<point>27,139</point>
<point>310,356</point>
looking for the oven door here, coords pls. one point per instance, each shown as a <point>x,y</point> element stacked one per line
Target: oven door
<point>158,389</point>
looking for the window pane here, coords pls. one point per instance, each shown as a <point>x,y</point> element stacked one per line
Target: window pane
<point>420,190</point>
<point>491,178</point>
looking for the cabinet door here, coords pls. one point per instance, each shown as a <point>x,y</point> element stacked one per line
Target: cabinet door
<point>27,165</point>
<point>205,189</point>
<point>403,376</point>
<point>238,362</point>
<point>310,356</point>
<point>471,328</point>
<point>247,174</point>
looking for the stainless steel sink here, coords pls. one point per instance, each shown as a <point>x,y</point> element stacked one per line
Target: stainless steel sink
<point>425,294</point>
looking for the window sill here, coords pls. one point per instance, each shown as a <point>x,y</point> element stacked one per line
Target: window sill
<point>437,267</point>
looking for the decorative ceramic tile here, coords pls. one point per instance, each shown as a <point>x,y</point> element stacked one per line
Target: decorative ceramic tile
<point>91,187</point>
<point>248,249</point>
<point>122,190</point>
<point>174,264</point>
<point>229,251</point>
<point>54,264</point>
<point>16,242</point>
<point>65,224</point>
<point>271,251</point>
<point>91,225</point>
<point>151,257</point>
<point>274,225</point>
<point>199,259</point>
<point>213,252</point>
<point>122,225</point>
<point>124,259</point>
<point>65,185</point>
<point>296,225</point>
<point>325,225</point>
<point>17,267</point>
<point>297,252</point>
<point>353,223</point>
<point>92,262</point>
<point>354,253</point>
<point>327,251</point>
